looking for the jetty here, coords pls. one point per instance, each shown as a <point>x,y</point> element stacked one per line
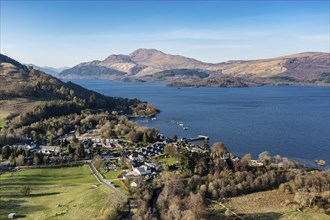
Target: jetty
<point>199,137</point>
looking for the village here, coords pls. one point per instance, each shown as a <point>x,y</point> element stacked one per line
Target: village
<point>134,160</point>
<point>127,168</point>
<point>122,166</point>
<point>129,161</point>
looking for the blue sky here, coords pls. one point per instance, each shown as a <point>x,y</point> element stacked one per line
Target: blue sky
<point>65,33</point>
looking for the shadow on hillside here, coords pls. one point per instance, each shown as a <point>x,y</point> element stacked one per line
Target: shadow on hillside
<point>254,216</point>
<point>19,216</point>
<point>8,206</point>
<point>36,183</point>
<point>19,195</point>
<point>44,194</point>
<point>263,216</point>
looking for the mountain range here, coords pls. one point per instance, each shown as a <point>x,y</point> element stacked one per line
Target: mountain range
<point>49,70</point>
<point>154,65</point>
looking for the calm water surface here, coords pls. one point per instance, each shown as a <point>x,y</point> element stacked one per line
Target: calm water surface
<point>291,121</point>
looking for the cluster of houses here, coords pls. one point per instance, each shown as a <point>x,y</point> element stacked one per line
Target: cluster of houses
<point>25,146</point>
<point>147,169</point>
<point>138,160</point>
<point>107,142</point>
<point>141,166</point>
<point>142,154</point>
<point>50,149</point>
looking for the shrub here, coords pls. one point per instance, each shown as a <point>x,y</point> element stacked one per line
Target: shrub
<point>25,190</point>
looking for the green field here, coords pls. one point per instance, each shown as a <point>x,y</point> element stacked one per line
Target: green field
<point>113,174</point>
<point>120,185</point>
<point>168,161</point>
<point>68,191</point>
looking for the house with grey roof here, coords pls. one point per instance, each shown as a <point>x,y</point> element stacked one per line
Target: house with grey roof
<point>50,149</point>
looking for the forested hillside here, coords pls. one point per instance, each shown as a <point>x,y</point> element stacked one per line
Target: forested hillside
<point>28,95</point>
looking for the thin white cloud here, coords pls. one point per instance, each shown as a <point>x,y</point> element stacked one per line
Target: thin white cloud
<point>318,37</point>
<point>212,34</point>
<point>211,46</point>
<point>178,34</point>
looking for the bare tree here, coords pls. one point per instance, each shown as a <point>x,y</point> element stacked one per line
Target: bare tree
<point>265,157</point>
<point>20,160</point>
<point>219,149</point>
<point>196,205</point>
<point>277,160</point>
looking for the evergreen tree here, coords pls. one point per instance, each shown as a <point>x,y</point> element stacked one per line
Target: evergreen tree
<point>71,93</point>
<point>6,152</point>
<point>145,137</point>
<point>50,140</point>
<point>206,144</point>
<point>12,159</point>
<point>81,151</point>
<point>27,152</point>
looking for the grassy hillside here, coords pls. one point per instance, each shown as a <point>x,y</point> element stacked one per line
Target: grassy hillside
<point>53,190</point>
<point>19,81</point>
<point>3,116</point>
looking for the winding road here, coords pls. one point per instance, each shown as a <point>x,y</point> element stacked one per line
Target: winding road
<point>104,182</point>
<point>109,185</point>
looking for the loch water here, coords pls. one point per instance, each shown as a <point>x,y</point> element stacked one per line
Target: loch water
<point>292,121</point>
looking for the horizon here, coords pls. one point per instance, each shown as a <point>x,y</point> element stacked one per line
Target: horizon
<point>67,67</point>
<point>86,31</point>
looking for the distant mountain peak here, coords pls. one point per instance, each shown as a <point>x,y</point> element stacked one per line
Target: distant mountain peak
<point>144,62</point>
<point>117,58</point>
<point>143,53</point>
<point>146,50</point>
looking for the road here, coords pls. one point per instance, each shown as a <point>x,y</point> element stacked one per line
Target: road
<point>219,203</point>
<point>93,169</point>
<point>109,185</point>
<point>104,182</point>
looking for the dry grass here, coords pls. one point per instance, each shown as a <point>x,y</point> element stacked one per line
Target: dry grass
<point>18,105</point>
<point>266,205</point>
<point>268,201</point>
<point>271,204</point>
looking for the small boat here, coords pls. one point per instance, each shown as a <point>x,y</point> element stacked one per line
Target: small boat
<point>181,124</point>
<point>153,119</point>
<point>185,128</point>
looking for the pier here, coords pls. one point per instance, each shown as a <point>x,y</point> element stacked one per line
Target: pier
<point>199,137</point>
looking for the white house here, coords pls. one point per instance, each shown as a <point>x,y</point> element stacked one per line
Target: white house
<point>131,175</point>
<point>255,163</point>
<point>24,146</point>
<point>12,215</point>
<point>142,170</point>
<point>134,184</point>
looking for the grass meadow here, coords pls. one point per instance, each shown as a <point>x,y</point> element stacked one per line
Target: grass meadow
<point>56,193</point>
